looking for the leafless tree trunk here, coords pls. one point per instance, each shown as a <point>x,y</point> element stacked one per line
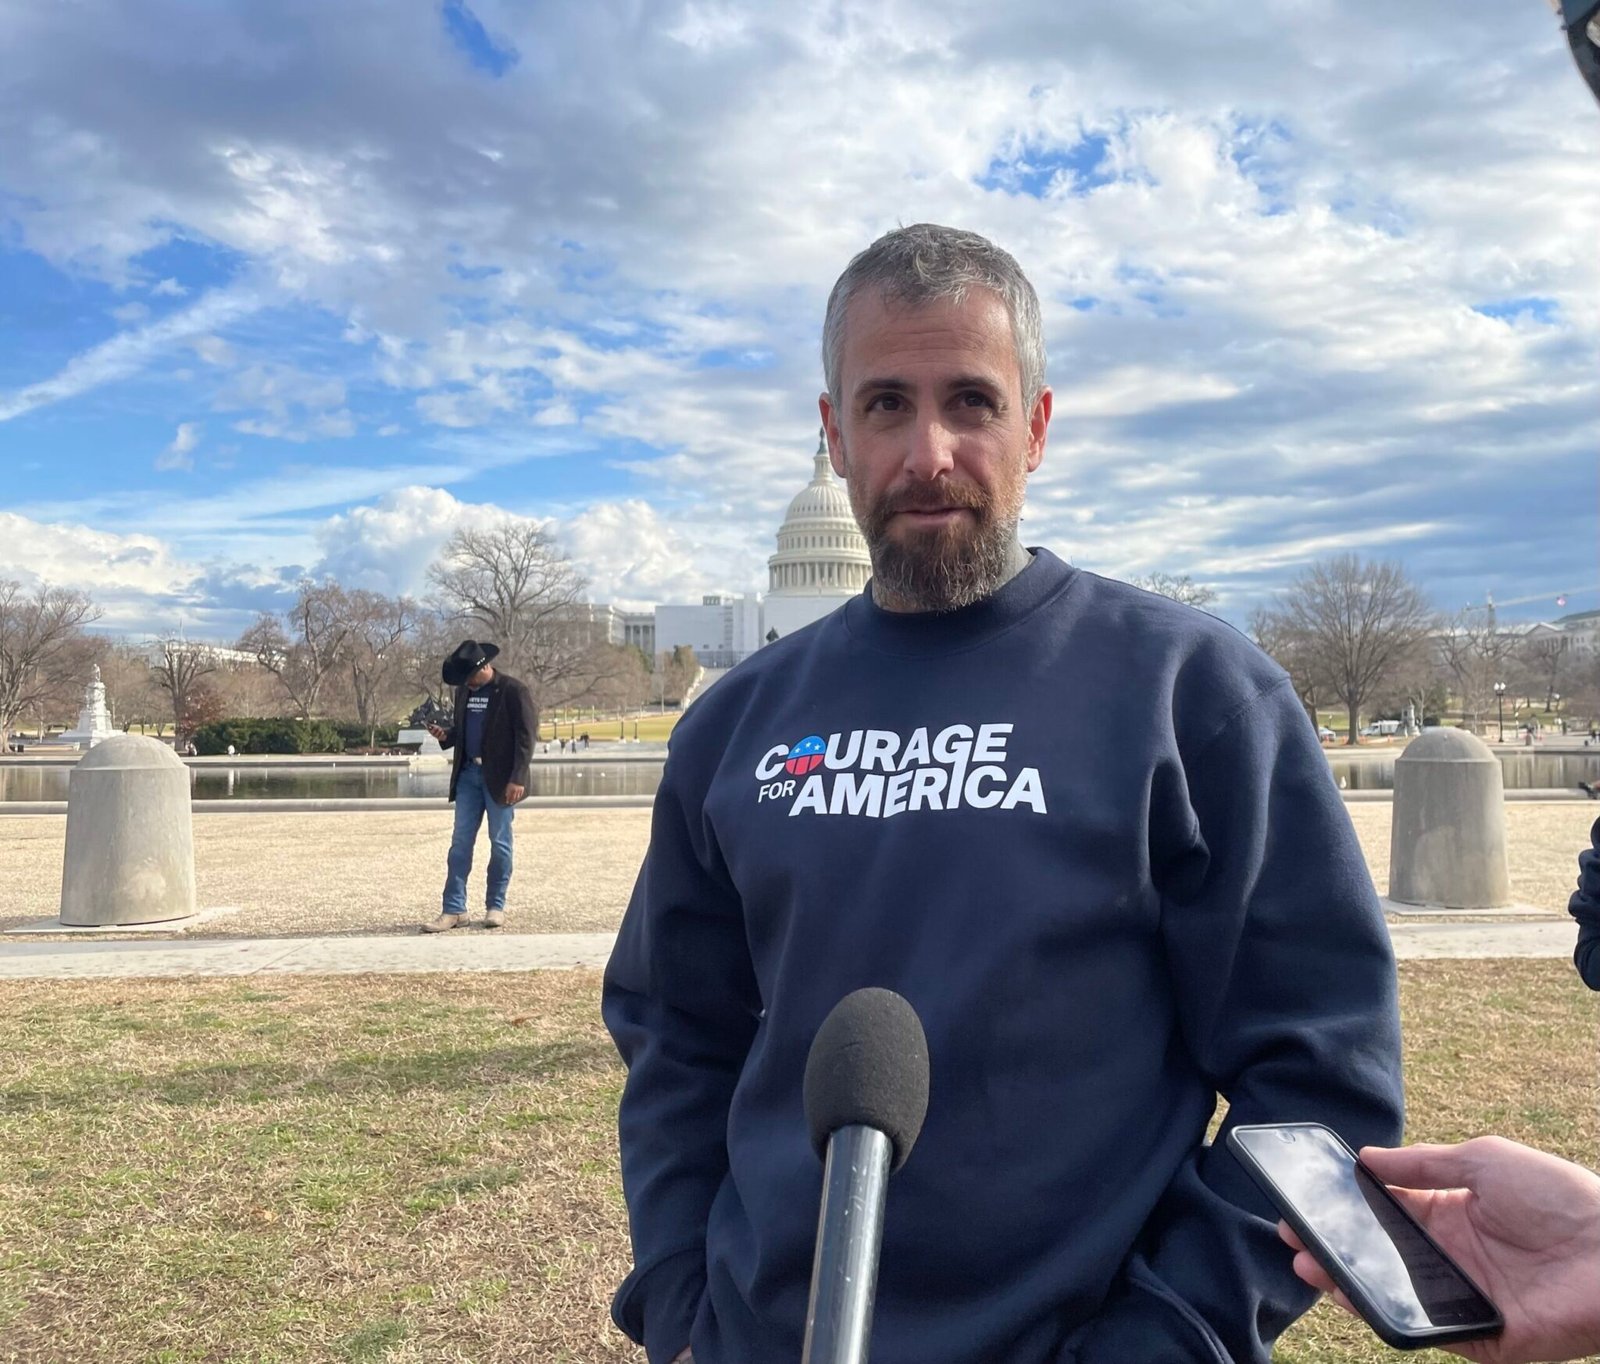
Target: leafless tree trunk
<point>1274,635</point>
<point>41,637</point>
<point>303,656</point>
<point>1358,620</point>
<point>512,585</point>
<point>178,671</point>
<point>1477,654</point>
<point>1543,657</point>
<point>376,652</point>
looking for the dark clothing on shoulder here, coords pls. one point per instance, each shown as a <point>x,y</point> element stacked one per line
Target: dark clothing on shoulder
<point>508,723</point>
<point>1585,908</point>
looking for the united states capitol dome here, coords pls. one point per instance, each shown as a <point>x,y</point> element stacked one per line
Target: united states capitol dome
<point>821,551</point>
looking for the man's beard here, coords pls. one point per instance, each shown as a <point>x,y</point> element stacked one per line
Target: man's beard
<point>948,567</point>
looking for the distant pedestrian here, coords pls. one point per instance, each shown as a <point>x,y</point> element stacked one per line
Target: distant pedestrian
<point>492,736</point>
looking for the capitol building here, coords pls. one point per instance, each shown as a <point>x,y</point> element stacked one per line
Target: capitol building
<point>821,563</point>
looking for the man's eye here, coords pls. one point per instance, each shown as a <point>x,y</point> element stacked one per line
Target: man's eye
<point>885,402</point>
<point>976,399</point>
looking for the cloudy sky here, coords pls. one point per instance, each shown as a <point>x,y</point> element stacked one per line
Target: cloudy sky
<point>294,287</point>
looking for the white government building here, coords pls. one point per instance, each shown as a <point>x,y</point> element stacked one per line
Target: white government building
<point>821,563</point>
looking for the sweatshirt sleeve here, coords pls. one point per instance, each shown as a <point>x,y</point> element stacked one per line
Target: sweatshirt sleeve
<point>681,1003</point>
<point>1585,908</point>
<point>1285,983</point>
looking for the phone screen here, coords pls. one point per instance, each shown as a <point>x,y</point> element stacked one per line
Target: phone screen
<point>1357,1221</point>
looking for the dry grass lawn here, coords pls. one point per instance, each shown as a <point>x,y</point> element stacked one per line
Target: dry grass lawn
<point>400,1170</point>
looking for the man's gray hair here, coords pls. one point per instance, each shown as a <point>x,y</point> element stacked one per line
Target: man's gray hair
<point>925,263</point>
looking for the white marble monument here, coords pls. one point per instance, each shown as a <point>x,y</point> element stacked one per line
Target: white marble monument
<point>94,721</point>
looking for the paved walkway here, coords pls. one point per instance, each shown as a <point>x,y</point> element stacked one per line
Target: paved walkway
<point>465,951</point>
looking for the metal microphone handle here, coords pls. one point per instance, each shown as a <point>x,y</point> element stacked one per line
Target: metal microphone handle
<point>844,1274</point>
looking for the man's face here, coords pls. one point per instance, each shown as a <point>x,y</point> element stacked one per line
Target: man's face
<point>481,678</point>
<point>933,442</point>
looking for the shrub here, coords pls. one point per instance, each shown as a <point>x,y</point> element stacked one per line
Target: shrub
<point>355,735</point>
<point>268,736</point>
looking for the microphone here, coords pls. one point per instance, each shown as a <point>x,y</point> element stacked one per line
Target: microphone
<point>866,1094</point>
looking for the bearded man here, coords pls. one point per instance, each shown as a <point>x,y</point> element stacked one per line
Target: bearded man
<point>1087,832</point>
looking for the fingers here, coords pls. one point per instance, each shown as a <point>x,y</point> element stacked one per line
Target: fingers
<point>1420,1167</point>
<point>1287,1236</point>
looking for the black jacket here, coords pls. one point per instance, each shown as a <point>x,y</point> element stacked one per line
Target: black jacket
<point>1585,908</point>
<point>508,732</point>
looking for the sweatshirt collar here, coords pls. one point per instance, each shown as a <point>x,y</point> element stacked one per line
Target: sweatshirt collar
<point>937,632</point>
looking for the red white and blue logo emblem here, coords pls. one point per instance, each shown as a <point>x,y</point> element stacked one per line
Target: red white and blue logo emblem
<point>805,755</point>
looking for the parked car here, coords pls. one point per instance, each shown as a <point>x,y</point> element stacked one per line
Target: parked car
<point>1325,734</point>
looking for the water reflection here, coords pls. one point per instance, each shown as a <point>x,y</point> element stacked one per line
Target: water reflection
<point>354,783</point>
<point>1519,771</point>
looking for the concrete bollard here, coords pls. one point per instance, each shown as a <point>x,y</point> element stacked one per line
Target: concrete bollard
<point>130,840</point>
<point>1447,842</point>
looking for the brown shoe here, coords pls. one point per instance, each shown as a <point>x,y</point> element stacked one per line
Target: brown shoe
<point>494,918</point>
<point>444,923</point>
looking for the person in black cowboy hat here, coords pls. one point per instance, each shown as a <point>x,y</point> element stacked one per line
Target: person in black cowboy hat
<point>492,736</point>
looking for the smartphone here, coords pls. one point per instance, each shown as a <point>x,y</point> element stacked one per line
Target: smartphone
<point>1409,1291</point>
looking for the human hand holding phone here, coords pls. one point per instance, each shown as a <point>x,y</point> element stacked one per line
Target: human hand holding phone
<point>1524,1225</point>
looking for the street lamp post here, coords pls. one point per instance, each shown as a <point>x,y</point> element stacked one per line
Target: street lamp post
<point>1500,706</point>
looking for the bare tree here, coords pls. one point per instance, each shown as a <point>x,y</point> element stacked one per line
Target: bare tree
<point>432,639</point>
<point>376,653</point>
<point>41,640</point>
<point>133,696</point>
<point>1180,589</point>
<point>1542,655</point>
<point>1276,635</point>
<point>303,655</point>
<point>513,585</point>
<point>178,670</point>
<point>1358,620</point>
<point>1477,654</point>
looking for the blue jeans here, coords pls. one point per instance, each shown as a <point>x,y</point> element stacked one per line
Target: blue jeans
<point>473,802</point>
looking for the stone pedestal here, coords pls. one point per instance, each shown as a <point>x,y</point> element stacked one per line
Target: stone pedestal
<point>1448,835</point>
<point>94,722</point>
<point>130,843</point>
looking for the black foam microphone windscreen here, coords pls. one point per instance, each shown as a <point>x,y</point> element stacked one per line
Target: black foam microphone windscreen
<point>868,1067</point>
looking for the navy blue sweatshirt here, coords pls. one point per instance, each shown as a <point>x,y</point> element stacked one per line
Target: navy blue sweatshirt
<point>1585,908</point>
<point>1091,836</point>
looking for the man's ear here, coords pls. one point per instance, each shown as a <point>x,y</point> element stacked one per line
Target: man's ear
<point>1038,427</point>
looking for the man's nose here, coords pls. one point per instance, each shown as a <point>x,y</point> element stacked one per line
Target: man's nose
<point>931,451</point>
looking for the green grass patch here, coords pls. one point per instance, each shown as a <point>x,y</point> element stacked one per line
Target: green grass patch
<point>393,1169</point>
<point>373,1342</point>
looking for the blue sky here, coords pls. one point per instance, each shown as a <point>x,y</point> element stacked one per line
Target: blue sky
<point>305,287</point>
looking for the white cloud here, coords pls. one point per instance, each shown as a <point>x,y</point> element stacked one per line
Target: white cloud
<point>169,288</point>
<point>1263,295</point>
<point>288,403</point>
<point>129,313</point>
<point>213,350</point>
<point>178,454</point>
<point>388,545</point>
<point>125,354</point>
<point>141,585</point>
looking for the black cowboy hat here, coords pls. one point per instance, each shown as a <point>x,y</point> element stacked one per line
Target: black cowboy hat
<point>469,656</point>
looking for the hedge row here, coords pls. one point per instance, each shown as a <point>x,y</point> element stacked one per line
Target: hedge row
<point>269,736</point>
<point>355,735</point>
